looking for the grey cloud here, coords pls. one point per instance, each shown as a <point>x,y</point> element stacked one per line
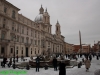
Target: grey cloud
<point>73,15</point>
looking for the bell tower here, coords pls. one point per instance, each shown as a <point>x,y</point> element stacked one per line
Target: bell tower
<point>58,32</point>
<point>46,17</point>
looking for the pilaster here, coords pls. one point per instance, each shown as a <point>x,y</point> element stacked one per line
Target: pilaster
<point>8,50</point>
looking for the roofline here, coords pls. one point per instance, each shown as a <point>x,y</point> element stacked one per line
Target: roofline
<point>11,4</point>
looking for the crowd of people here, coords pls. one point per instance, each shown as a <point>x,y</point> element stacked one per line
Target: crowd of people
<point>61,66</point>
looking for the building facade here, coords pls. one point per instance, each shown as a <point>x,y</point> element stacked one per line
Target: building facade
<point>85,48</point>
<point>26,37</point>
<point>69,48</point>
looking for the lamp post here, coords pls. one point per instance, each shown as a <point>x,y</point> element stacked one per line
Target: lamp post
<point>14,54</point>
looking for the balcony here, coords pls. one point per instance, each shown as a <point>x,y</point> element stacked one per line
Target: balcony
<point>4,27</point>
<point>27,44</point>
<point>13,31</point>
<point>4,41</point>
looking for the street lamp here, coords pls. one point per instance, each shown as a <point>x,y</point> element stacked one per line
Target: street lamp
<point>14,53</point>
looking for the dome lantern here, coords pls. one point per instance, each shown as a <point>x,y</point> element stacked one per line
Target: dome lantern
<point>41,10</point>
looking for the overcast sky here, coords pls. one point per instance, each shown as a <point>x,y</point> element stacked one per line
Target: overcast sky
<point>73,15</point>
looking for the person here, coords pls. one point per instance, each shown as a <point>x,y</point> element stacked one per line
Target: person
<point>87,64</point>
<point>97,72</point>
<point>37,64</point>
<point>97,57</point>
<point>10,62</point>
<point>90,57</point>
<point>4,61</point>
<point>62,68</point>
<point>55,64</point>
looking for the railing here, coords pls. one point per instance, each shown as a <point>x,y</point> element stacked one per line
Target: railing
<point>4,40</point>
<point>27,44</point>
<point>4,27</point>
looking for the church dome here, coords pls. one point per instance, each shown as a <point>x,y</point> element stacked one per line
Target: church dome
<point>39,18</point>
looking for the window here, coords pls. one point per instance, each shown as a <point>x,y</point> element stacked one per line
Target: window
<point>48,29</point>
<point>31,33</point>
<point>4,19</point>
<point>18,28</point>
<point>38,35</point>
<point>13,14</point>
<point>22,39</point>
<point>16,47</point>
<point>16,50</point>
<point>31,50</point>
<point>11,50</point>
<point>31,41</point>
<point>35,42</point>
<point>35,34</point>
<point>3,25</point>
<point>35,50</point>
<point>11,37</point>
<point>22,29</point>
<point>38,42</point>
<point>3,36</point>
<point>17,38</point>
<point>26,40</point>
<point>2,50</point>
<point>13,26</point>
<point>5,10</point>
<point>27,31</point>
<point>22,50</point>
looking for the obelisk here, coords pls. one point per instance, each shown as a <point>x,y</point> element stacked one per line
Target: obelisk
<point>80,41</point>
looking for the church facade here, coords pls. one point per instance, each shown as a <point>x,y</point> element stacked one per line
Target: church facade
<point>22,36</point>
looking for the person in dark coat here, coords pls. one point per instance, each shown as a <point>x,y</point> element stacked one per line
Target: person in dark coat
<point>4,61</point>
<point>97,57</point>
<point>55,64</point>
<point>90,57</point>
<point>10,62</point>
<point>37,64</point>
<point>62,68</point>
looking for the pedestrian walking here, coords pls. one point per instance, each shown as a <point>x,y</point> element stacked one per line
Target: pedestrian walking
<point>55,64</point>
<point>97,57</point>
<point>10,62</point>
<point>62,68</point>
<point>87,64</point>
<point>37,64</point>
<point>4,61</point>
<point>90,57</point>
